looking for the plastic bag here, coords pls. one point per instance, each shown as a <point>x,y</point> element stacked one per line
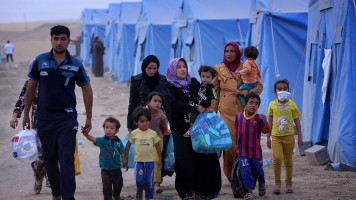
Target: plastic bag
<point>210,134</point>
<point>76,159</point>
<point>26,145</point>
<point>131,162</point>
<point>169,161</point>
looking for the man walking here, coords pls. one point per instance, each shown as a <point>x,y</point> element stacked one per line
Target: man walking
<point>9,50</point>
<point>57,72</point>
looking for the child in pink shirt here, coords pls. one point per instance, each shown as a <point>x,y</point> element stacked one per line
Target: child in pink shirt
<point>249,72</point>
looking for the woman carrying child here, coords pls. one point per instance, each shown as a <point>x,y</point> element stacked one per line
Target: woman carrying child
<point>282,112</point>
<point>227,84</point>
<point>198,176</point>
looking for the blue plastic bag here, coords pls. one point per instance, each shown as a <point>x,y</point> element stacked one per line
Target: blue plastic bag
<point>131,162</point>
<point>169,161</point>
<point>210,134</point>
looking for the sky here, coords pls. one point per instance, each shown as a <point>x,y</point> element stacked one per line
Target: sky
<point>20,11</point>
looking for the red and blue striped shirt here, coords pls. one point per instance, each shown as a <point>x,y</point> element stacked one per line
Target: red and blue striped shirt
<point>249,135</point>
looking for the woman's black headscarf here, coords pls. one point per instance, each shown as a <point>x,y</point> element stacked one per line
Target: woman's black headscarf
<point>152,81</point>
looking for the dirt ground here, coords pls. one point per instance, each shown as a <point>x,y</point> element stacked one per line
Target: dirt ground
<point>16,179</point>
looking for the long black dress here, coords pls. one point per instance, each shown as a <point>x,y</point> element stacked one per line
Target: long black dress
<point>197,174</point>
<point>98,50</point>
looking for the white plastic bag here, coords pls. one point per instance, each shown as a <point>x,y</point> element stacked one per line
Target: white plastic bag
<point>26,145</point>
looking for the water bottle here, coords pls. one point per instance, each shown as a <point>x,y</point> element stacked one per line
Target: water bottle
<point>267,162</point>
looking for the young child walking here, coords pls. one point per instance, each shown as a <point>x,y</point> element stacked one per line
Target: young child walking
<point>111,151</point>
<point>158,123</point>
<point>249,72</point>
<point>145,139</point>
<point>206,95</point>
<point>249,126</point>
<point>281,114</point>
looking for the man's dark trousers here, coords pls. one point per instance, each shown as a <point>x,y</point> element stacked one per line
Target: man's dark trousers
<point>58,142</point>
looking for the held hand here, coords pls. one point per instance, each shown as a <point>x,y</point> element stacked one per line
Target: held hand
<point>125,162</point>
<point>237,72</point>
<point>269,143</point>
<point>201,108</point>
<point>26,122</point>
<point>86,129</point>
<point>85,134</point>
<point>13,121</point>
<point>210,110</point>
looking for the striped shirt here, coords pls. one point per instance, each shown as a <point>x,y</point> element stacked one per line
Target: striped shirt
<point>249,135</point>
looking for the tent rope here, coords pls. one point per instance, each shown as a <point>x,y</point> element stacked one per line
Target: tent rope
<point>300,67</point>
<point>274,52</point>
<point>241,38</point>
<point>200,45</point>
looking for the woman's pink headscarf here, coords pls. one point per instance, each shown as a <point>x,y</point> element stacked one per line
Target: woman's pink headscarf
<point>232,66</point>
<point>172,74</point>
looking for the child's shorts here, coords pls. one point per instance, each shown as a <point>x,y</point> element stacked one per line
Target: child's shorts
<point>248,86</point>
<point>249,166</point>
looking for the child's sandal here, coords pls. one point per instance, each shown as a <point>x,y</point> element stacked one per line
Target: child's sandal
<point>277,189</point>
<point>37,187</point>
<point>289,189</point>
<point>158,190</point>
<point>262,190</point>
<point>248,196</point>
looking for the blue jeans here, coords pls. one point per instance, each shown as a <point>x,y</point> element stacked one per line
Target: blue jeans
<point>144,172</point>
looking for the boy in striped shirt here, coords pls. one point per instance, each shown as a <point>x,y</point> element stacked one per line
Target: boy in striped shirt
<point>249,126</point>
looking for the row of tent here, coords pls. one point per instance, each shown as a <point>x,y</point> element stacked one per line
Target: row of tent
<point>291,37</point>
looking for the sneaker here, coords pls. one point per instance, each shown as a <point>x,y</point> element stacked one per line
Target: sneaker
<point>248,196</point>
